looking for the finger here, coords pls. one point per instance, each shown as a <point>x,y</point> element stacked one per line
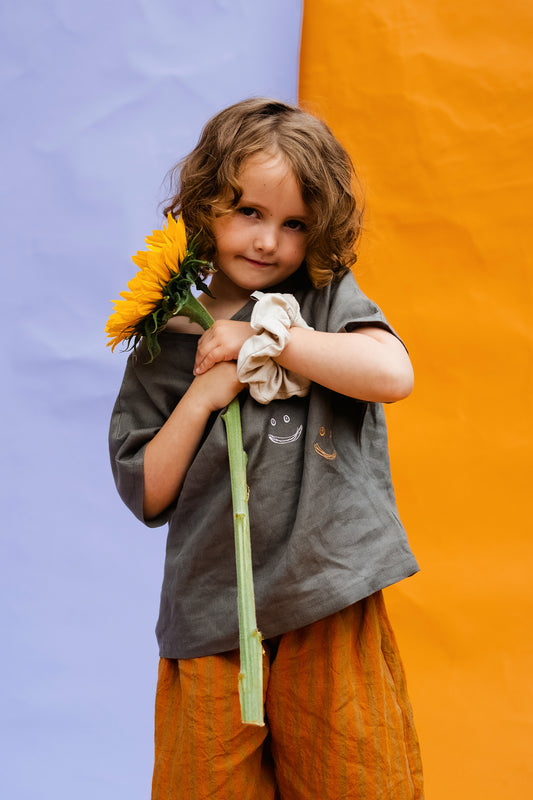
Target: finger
<point>205,362</point>
<point>205,358</point>
<point>203,349</point>
<point>203,343</point>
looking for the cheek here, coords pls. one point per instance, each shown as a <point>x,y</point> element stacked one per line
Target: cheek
<point>226,242</point>
<point>294,248</point>
<point>226,230</point>
<point>298,252</point>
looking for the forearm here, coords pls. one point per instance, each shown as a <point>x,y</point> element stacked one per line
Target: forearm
<point>169,454</point>
<point>370,365</point>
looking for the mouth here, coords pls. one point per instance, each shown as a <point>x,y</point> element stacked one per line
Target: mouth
<point>258,263</point>
<point>286,439</point>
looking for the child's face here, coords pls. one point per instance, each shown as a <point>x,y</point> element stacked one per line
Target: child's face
<point>263,240</point>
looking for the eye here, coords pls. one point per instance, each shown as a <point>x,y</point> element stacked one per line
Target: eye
<point>286,418</point>
<point>295,225</point>
<point>247,211</point>
<point>273,422</point>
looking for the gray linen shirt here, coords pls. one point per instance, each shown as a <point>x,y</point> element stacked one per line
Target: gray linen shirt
<point>324,524</point>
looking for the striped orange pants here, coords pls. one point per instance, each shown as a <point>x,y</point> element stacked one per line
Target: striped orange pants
<point>338,719</point>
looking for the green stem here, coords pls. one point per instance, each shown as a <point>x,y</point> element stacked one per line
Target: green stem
<point>196,312</point>
<point>251,674</point>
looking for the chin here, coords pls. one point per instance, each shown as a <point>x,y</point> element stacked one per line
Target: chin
<point>255,286</point>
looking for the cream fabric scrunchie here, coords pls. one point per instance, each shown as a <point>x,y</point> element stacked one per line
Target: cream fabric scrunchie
<point>272,317</point>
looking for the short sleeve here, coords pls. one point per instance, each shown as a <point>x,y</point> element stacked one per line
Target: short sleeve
<point>342,306</point>
<point>147,397</point>
<point>350,308</point>
<point>134,422</point>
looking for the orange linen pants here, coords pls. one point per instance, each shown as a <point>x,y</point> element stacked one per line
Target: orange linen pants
<point>339,723</point>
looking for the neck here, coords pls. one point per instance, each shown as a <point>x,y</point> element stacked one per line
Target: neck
<point>227,300</point>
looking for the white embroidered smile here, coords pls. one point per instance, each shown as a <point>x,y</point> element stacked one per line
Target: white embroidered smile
<point>286,439</point>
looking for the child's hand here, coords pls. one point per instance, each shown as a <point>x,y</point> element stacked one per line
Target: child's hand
<point>217,387</point>
<point>222,342</point>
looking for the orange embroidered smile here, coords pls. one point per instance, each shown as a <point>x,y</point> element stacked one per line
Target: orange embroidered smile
<point>326,440</point>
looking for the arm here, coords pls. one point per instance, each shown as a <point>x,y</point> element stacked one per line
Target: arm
<point>369,363</point>
<point>169,454</point>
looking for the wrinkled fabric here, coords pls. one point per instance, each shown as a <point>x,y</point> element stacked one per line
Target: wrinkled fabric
<point>272,317</point>
<point>339,723</point>
<point>325,530</point>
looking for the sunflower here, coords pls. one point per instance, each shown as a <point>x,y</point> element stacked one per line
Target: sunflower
<point>161,289</point>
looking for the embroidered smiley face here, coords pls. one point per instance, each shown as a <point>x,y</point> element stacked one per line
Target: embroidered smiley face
<point>284,428</point>
<point>324,444</point>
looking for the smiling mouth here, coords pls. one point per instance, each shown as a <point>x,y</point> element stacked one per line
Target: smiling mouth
<point>286,439</point>
<point>258,263</point>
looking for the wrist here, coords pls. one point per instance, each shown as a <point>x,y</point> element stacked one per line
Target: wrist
<point>197,403</point>
<point>296,336</point>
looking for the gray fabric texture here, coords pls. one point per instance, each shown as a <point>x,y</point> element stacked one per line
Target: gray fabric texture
<point>324,524</point>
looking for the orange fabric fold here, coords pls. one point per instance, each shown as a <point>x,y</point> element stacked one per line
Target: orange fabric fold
<point>339,720</point>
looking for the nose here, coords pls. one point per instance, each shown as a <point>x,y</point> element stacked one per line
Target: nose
<point>266,238</point>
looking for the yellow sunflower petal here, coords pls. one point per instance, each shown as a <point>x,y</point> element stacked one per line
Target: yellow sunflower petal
<point>173,237</point>
<point>166,250</point>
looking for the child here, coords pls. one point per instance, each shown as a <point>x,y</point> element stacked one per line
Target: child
<point>270,189</point>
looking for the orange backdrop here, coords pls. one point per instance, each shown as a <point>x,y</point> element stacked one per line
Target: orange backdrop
<point>433,100</point>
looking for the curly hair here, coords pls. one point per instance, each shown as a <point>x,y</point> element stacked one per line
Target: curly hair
<point>206,180</point>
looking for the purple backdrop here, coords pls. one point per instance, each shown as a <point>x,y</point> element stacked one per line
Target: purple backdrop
<point>99,99</point>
